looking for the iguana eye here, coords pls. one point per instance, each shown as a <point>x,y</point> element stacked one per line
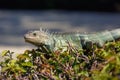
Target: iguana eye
<point>34,34</point>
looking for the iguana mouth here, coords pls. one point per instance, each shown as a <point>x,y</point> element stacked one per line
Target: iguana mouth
<point>30,40</point>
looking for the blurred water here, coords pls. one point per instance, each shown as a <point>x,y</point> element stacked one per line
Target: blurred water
<point>14,24</point>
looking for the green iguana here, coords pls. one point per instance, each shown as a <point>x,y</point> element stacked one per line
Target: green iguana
<point>54,41</point>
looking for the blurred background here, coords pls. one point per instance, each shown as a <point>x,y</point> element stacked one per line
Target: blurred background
<point>17,17</point>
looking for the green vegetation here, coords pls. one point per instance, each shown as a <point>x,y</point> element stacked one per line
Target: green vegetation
<point>91,64</point>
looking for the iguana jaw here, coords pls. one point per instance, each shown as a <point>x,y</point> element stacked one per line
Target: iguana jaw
<point>32,41</point>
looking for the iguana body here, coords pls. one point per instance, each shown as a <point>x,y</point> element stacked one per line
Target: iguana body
<point>54,41</point>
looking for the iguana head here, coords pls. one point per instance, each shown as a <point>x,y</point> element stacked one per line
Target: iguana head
<point>37,38</point>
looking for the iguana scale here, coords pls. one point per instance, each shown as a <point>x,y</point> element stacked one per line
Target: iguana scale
<point>54,41</point>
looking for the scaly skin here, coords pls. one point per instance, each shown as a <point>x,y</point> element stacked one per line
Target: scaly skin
<point>54,41</point>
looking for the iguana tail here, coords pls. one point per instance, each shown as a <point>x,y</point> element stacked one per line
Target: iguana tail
<point>100,38</point>
<point>115,34</point>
